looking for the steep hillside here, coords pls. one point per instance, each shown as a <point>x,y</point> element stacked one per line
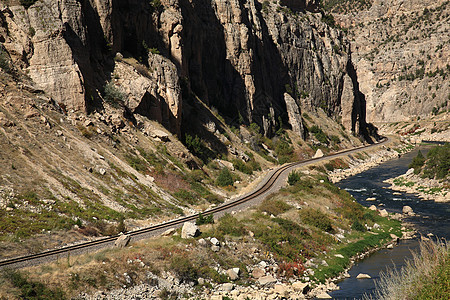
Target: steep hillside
<point>118,114</point>
<point>401,50</point>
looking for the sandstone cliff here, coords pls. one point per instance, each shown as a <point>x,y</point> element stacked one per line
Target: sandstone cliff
<point>238,56</point>
<point>401,50</point>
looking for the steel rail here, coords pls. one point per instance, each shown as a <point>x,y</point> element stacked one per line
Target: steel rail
<point>265,187</point>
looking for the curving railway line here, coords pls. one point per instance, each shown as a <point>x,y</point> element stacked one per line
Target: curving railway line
<point>271,182</point>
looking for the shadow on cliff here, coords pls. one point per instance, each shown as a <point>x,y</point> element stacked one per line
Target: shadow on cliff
<point>367,131</point>
<point>92,55</point>
<point>214,78</point>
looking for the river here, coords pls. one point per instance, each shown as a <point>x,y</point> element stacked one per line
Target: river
<point>431,217</point>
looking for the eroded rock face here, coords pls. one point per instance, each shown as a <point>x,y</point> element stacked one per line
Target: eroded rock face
<point>401,56</point>
<point>238,56</point>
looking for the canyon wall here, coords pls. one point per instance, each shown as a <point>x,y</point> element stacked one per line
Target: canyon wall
<point>240,57</point>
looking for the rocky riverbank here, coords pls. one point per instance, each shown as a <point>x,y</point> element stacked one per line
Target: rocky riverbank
<point>360,164</point>
<point>268,283</point>
<point>425,188</point>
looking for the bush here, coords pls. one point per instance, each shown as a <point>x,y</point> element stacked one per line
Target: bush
<point>230,225</point>
<point>274,207</point>
<point>30,289</point>
<point>315,217</point>
<point>319,134</point>
<point>438,162</point>
<point>184,269</point>
<point>293,177</point>
<point>112,95</point>
<point>358,226</point>
<point>209,219</point>
<point>185,196</point>
<point>417,163</point>
<point>225,178</point>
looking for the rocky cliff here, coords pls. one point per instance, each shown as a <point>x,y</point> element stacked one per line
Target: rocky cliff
<point>240,57</point>
<point>401,53</point>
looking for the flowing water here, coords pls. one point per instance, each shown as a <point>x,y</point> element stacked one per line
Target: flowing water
<point>431,217</point>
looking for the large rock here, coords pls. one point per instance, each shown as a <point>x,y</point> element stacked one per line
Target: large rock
<point>266,280</point>
<point>122,241</point>
<point>383,213</point>
<point>232,274</point>
<point>189,230</point>
<point>318,154</point>
<point>258,273</point>
<point>407,210</point>
<point>302,287</point>
<point>363,276</point>
<point>294,114</point>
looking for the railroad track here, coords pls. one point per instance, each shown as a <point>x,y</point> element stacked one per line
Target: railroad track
<point>261,191</point>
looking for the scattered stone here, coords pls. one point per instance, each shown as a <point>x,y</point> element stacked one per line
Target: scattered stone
<point>266,280</point>
<point>383,213</point>
<point>376,226</point>
<point>258,273</point>
<point>371,199</point>
<point>318,154</point>
<point>363,276</point>
<point>202,242</point>
<point>189,230</point>
<point>373,207</point>
<point>215,241</point>
<point>88,123</point>
<point>169,231</point>
<point>339,255</point>
<point>394,237</point>
<point>390,246</point>
<point>232,274</point>
<point>227,287</point>
<point>409,172</point>
<point>102,171</point>
<point>215,248</point>
<point>302,287</point>
<point>323,295</point>
<point>407,210</point>
<point>159,135</point>
<point>281,290</point>
<point>201,281</point>
<point>122,241</point>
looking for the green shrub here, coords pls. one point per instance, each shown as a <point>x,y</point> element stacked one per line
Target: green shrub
<point>29,289</point>
<point>184,269</point>
<point>209,219</point>
<point>212,198</point>
<point>315,217</point>
<point>293,177</point>
<point>113,95</point>
<point>274,207</point>
<point>437,164</point>
<point>229,225</point>
<point>225,178</point>
<point>356,225</point>
<point>185,196</point>
<point>417,163</point>
<point>136,163</point>
<point>319,134</point>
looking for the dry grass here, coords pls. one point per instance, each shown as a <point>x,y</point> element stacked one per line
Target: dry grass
<point>418,272</point>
